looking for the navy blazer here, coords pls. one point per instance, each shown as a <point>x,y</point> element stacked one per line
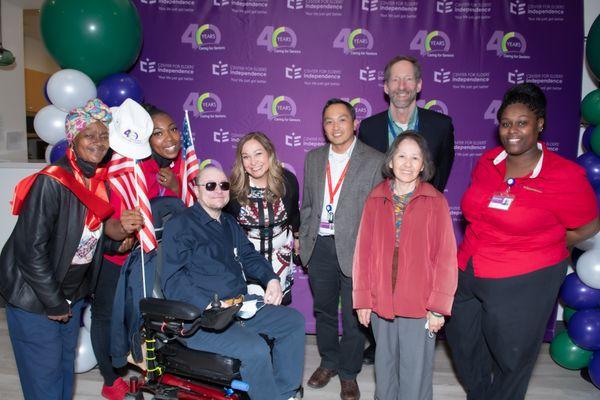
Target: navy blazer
<point>436,128</point>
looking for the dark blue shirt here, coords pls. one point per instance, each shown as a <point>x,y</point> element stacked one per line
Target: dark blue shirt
<point>203,256</point>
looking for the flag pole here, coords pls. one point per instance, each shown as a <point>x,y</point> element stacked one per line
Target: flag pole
<point>137,203</point>
<point>187,121</point>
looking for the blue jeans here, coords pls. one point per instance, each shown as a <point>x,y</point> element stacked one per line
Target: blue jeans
<point>269,379</point>
<point>45,352</point>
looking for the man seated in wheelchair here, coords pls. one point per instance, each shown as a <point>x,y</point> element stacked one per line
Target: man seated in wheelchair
<point>207,252</point>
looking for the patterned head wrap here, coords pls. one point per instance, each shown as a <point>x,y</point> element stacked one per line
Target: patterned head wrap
<point>80,118</point>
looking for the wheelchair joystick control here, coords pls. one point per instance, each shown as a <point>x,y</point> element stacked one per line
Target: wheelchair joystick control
<point>216,304</point>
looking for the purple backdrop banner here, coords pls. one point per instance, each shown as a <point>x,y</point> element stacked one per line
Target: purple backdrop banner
<point>245,65</point>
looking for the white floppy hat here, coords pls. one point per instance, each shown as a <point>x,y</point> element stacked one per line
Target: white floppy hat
<point>130,129</point>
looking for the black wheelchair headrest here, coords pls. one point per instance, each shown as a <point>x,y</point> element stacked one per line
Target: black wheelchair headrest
<point>164,208</point>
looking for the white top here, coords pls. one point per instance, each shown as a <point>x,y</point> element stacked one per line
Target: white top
<point>337,163</point>
<point>87,246</point>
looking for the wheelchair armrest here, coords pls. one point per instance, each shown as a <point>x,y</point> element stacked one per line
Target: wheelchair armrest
<point>169,309</point>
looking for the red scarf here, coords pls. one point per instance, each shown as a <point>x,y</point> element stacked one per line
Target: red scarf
<point>95,198</point>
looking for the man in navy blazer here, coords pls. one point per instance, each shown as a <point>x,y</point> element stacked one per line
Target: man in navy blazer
<point>402,85</point>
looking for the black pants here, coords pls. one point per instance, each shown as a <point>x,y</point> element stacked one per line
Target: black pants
<point>328,285</point>
<point>497,328</point>
<point>101,319</point>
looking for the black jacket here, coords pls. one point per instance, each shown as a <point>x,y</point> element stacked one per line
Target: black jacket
<point>290,201</point>
<point>38,254</point>
<point>436,128</point>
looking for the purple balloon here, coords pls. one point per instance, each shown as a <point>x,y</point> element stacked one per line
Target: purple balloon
<point>578,295</point>
<point>587,137</point>
<point>59,150</point>
<point>114,89</point>
<point>591,163</point>
<point>594,369</point>
<point>584,329</point>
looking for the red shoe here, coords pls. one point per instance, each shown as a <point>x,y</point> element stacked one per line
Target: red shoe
<point>117,391</point>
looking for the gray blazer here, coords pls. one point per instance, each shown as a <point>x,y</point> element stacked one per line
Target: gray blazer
<point>363,174</point>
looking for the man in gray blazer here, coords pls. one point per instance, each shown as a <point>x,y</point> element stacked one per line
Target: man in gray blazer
<point>337,179</point>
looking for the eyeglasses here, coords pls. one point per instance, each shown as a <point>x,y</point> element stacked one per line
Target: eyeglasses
<point>210,186</point>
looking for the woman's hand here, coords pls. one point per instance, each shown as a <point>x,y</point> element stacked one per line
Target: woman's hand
<point>62,317</point>
<point>167,178</point>
<point>364,316</point>
<point>435,322</point>
<point>132,220</point>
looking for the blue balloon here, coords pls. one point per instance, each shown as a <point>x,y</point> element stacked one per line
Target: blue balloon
<point>46,92</point>
<point>591,163</point>
<point>578,295</point>
<point>594,369</point>
<point>59,150</point>
<point>587,137</point>
<point>584,329</point>
<point>114,89</point>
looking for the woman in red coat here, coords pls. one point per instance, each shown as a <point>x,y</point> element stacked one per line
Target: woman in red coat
<point>404,274</point>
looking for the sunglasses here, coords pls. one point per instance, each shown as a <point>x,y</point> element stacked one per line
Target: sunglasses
<point>210,186</point>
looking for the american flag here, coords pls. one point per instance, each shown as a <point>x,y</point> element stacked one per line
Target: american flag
<point>190,166</point>
<point>127,178</point>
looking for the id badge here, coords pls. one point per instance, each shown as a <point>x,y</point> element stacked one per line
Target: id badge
<point>501,201</point>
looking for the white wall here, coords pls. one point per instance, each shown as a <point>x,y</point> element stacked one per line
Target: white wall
<point>37,57</point>
<point>11,174</point>
<point>13,139</point>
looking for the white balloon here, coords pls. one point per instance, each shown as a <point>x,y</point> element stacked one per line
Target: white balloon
<point>69,88</point>
<point>589,244</point>
<point>47,153</point>
<point>87,317</point>
<point>85,358</point>
<point>588,268</point>
<point>49,124</point>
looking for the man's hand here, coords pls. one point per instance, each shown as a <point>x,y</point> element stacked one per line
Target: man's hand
<point>273,293</point>
<point>126,245</point>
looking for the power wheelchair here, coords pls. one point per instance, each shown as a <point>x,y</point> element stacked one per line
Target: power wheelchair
<point>174,371</point>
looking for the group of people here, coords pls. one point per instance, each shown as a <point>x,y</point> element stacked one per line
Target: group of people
<point>373,231</point>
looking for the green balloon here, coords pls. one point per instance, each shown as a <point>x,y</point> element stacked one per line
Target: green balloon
<point>567,313</point>
<point>595,140</point>
<point>590,107</point>
<point>592,47</point>
<point>567,354</point>
<point>96,37</point>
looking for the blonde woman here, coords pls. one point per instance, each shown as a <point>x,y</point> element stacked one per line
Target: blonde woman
<point>264,200</point>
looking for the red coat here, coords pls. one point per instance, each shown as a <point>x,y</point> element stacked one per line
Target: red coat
<point>427,267</point>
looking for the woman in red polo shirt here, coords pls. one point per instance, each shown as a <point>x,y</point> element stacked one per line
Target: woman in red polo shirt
<point>524,207</point>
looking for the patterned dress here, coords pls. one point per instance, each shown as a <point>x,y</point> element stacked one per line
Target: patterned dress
<point>266,225</point>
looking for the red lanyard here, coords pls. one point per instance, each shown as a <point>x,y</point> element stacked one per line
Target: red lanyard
<point>332,192</point>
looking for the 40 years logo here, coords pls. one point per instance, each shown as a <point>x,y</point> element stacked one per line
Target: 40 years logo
<point>280,39</point>
<point>509,45</point>
<point>434,105</point>
<point>206,105</point>
<point>432,44</point>
<point>280,108</point>
<point>354,41</point>
<point>203,37</point>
